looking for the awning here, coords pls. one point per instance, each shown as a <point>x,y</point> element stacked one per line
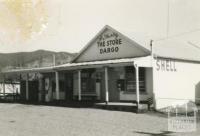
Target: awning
<point>140,61</point>
<point>29,70</point>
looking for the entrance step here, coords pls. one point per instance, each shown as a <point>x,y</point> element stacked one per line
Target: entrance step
<point>129,107</point>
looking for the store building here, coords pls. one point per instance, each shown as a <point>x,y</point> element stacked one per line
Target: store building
<point>115,68</point>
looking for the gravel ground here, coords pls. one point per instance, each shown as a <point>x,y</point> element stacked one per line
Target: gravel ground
<point>34,120</point>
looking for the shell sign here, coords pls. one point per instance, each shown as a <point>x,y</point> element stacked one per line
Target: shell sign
<point>167,65</point>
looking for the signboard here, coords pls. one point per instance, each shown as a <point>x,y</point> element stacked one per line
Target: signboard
<point>168,65</point>
<point>110,45</point>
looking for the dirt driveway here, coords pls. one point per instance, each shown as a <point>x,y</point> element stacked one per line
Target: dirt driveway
<point>34,120</point>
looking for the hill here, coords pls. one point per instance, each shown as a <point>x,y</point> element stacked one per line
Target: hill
<point>39,58</point>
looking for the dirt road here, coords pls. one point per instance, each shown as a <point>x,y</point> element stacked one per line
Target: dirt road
<point>34,120</point>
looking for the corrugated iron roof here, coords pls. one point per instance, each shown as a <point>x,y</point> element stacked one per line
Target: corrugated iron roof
<point>80,65</point>
<point>168,48</point>
<point>177,49</point>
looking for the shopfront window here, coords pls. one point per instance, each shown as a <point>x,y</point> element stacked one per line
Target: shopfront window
<point>130,80</point>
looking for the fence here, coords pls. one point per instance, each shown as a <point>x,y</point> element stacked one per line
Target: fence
<point>9,96</point>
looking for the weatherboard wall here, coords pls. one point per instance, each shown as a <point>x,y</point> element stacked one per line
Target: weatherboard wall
<point>176,82</point>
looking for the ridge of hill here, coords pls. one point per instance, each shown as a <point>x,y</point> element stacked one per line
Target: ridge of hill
<point>39,58</point>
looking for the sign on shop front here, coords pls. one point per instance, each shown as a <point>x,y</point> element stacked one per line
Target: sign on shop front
<point>109,43</point>
<point>166,65</point>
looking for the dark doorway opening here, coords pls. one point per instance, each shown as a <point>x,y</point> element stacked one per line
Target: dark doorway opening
<point>68,86</point>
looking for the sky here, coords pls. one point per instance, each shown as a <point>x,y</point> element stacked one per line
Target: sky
<point>68,25</point>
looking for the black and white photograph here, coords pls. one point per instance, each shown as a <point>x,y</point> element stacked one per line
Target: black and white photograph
<point>99,67</point>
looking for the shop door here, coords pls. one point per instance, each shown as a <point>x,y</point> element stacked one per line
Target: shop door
<point>69,86</point>
<point>33,91</point>
<point>112,86</point>
<point>23,90</point>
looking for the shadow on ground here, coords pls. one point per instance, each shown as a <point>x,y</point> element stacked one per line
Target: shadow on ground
<point>163,133</point>
<point>78,104</point>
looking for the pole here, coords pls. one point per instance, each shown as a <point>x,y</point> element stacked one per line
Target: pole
<point>137,84</point>
<point>4,88</point>
<point>57,85</point>
<point>106,85</point>
<point>79,85</point>
<point>54,60</point>
<point>27,87</point>
<point>168,4</point>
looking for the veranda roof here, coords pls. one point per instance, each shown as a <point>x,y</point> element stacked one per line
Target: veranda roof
<point>141,61</point>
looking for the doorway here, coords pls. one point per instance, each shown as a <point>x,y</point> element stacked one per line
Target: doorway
<point>68,86</point>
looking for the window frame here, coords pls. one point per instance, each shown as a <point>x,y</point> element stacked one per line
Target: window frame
<point>130,76</point>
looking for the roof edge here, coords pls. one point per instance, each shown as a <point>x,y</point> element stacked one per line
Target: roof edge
<point>112,29</point>
<point>176,58</point>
